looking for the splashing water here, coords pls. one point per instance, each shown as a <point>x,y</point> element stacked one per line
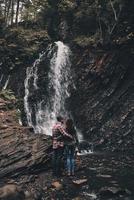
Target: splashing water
<point>31,72</point>
<point>59,80</point>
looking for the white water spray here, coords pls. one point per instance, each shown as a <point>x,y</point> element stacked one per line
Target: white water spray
<point>59,80</point>
<point>31,76</point>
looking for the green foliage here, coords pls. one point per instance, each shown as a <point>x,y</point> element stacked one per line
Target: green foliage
<point>84,41</point>
<point>66,6</point>
<point>98,20</point>
<point>92,19</point>
<point>27,37</point>
<point>7,95</point>
<point>33,8</point>
<point>19,45</point>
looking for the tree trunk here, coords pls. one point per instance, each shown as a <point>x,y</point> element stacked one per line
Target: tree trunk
<point>7,13</point>
<point>12,13</point>
<point>17,12</point>
<point>5,9</point>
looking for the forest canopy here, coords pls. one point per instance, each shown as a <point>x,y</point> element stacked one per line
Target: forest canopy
<point>97,20</point>
<point>13,11</point>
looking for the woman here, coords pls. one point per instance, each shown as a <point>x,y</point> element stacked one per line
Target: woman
<point>70,146</point>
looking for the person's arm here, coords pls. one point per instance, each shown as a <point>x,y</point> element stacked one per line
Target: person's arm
<point>64,132</point>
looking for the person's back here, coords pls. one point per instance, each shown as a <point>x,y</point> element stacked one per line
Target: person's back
<point>58,144</point>
<point>57,135</point>
<point>70,145</point>
<point>72,131</point>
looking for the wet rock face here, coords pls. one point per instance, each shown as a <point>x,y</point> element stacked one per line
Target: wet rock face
<point>19,48</point>
<point>102,103</point>
<point>21,150</point>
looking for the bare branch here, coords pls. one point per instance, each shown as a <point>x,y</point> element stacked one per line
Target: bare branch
<point>114,11</point>
<point>100,27</point>
<point>115,24</point>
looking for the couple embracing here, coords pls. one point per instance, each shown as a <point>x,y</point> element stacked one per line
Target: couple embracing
<point>64,143</point>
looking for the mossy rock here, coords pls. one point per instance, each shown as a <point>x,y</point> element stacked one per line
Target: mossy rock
<point>25,37</point>
<point>66,6</point>
<point>84,41</point>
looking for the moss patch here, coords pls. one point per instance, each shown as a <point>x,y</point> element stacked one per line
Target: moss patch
<point>7,95</point>
<point>84,41</point>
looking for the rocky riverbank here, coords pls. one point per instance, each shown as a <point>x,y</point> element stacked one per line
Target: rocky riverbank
<point>25,169</point>
<point>98,176</point>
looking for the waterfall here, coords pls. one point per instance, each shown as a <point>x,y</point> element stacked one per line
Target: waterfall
<point>59,80</point>
<point>59,77</point>
<point>31,76</point>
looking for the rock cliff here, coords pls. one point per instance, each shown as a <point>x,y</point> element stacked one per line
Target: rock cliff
<point>21,151</point>
<point>103,103</point>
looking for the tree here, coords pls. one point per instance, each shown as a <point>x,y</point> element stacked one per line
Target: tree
<point>108,14</point>
<point>17,12</point>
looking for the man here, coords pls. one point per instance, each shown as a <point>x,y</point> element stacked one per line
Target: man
<point>58,134</point>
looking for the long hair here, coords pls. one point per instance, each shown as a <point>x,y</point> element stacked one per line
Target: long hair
<point>59,118</point>
<point>69,125</point>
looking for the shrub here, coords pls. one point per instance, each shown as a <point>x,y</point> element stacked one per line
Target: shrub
<point>7,95</point>
<point>84,41</point>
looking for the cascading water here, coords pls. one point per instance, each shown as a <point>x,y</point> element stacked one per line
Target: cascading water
<point>59,77</point>
<point>31,76</point>
<point>59,80</point>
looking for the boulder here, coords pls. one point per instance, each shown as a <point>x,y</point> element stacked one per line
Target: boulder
<point>80,181</point>
<point>57,185</point>
<point>21,151</point>
<point>11,192</point>
<point>113,191</point>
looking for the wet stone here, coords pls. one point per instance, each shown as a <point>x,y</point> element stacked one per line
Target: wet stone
<point>57,185</point>
<point>112,191</point>
<point>104,176</point>
<point>80,181</point>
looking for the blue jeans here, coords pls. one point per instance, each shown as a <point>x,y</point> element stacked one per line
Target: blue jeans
<point>56,161</point>
<point>70,158</point>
